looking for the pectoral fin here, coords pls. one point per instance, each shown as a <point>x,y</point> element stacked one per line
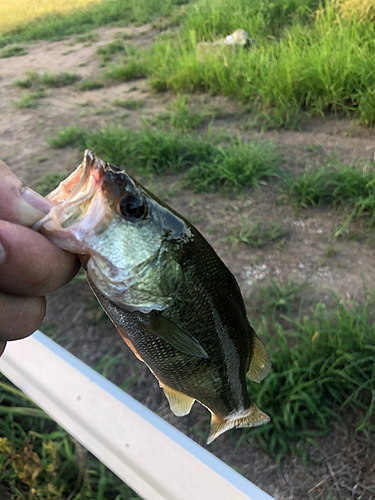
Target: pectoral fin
<point>179,403</point>
<point>260,363</point>
<point>176,336</point>
<point>249,418</point>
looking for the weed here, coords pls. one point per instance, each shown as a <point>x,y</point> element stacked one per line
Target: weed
<point>89,84</point>
<point>156,151</point>
<point>333,183</point>
<point>128,103</point>
<point>110,49</point>
<point>90,37</point>
<point>26,101</point>
<point>321,366</point>
<point>258,234</point>
<point>49,182</point>
<point>58,80</point>
<point>34,80</point>
<point>38,459</point>
<point>69,136</point>
<point>24,21</point>
<point>235,167</point>
<point>12,51</point>
<point>181,117</point>
<point>132,69</point>
<point>283,296</point>
<point>331,252</point>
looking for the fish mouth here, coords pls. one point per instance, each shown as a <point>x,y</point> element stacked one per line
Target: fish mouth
<point>81,206</point>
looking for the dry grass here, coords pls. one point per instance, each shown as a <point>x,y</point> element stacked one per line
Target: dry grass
<point>17,12</point>
<point>357,9</point>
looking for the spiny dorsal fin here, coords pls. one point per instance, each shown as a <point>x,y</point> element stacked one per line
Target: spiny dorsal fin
<point>260,363</point>
<point>179,403</point>
<point>249,418</point>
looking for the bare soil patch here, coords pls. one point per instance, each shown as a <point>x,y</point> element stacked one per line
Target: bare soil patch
<point>340,466</point>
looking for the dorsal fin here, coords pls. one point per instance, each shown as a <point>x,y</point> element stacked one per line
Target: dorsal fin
<point>251,417</point>
<point>260,363</point>
<point>179,403</point>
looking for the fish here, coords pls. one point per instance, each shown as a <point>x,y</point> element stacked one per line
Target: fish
<point>168,293</point>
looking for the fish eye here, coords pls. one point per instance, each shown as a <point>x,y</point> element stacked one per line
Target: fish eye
<point>131,206</point>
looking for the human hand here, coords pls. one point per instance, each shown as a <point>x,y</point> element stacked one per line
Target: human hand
<point>30,265</point>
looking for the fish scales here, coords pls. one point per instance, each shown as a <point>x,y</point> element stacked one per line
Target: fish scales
<point>173,300</point>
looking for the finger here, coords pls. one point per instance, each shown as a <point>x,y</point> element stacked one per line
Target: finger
<point>31,265</point>
<point>20,316</point>
<point>17,203</point>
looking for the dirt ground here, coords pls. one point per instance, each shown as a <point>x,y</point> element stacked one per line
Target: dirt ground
<point>341,467</point>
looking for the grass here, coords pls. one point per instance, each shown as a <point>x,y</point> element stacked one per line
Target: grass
<point>308,61</point>
<point>133,68</point>
<point>207,165</point>
<point>128,103</point>
<point>54,19</point>
<point>351,188</point>
<point>110,49</point>
<point>89,84</point>
<point>25,102</point>
<point>258,234</point>
<point>54,80</point>
<point>181,117</point>
<point>281,297</point>
<point>48,182</point>
<point>322,366</point>
<point>39,460</point>
<point>12,50</point>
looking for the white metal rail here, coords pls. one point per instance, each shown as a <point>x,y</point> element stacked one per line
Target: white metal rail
<point>151,456</point>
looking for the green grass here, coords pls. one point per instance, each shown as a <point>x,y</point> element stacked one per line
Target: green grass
<point>25,102</point>
<point>128,103</point>
<point>134,68</point>
<point>305,63</point>
<point>208,166</point>
<point>119,12</point>
<point>281,297</point>
<point>53,80</point>
<point>38,455</point>
<point>258,234</point>
<point>89,84</point>
<point>12,50</point>
<point>48,182</point>
<point>110,49</point>
<point>235,167</point>
<point>322,367</point>
<point>183,118</point>
<point>351,188</point>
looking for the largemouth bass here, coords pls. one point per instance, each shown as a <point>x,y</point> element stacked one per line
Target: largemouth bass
<point>172,299</point>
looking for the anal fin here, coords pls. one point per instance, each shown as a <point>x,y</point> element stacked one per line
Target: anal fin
<point>179,403</point>
<point>251,417</point>
<point>260,363</point>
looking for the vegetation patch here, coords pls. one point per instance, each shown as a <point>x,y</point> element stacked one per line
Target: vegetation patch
<point>322,366</point>
<point>258,234</point>
<point>12,50</point>
<point>89,84</point>
<point>306,60</point>
<point>55,80</point>
<point>351,188</point>
<point>128,103</point>
<point>40,460</point>
<point>110,49</point>
<point>208,166</point>
<point>75,17</point>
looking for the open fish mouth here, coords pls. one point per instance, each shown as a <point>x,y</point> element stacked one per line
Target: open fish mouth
<point>82,206</point>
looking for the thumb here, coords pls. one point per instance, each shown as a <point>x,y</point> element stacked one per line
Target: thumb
<point>18,203</point>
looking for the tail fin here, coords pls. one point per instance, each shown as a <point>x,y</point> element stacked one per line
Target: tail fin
<point>251,417</point>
